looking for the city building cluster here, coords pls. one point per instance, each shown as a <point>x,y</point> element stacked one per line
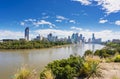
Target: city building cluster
<point>74,38</point>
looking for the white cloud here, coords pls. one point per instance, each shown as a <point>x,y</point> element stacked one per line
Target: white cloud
<point>110,6</point>
<point>102,21</point>
<point>37,23</point>
<point>72,21</point>
<point>83,2</point>
<point>117,22</point>
<point>22,23</point>
<point>59,33</point>
<point>76,28</point>
<point>58,20</point>
<point>43,22</point>
<point>45,17</point>
<point>6,34</point>
<point>30,20</point>
<point>61,17</point>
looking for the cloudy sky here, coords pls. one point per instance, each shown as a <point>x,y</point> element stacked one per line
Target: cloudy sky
<point>60,17</point>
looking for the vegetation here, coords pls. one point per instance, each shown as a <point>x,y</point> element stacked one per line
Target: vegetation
<point>103,53</point>
<point>29,44</point>
<point>117,58</point>
<point>88,52</point>
<point>75,66</point>
<point>115,46</point>
<point>47,74</point>
<point>94,70</point>
<point>25,73</point>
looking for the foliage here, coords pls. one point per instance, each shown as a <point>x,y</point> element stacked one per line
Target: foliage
<point>47,74</point>
<point>115,46</point>
<point>65,68</point>
<point>94,70</point>
<point>103,53</point>
<point>117,58</point>
<point>88,52</point>
<point>29,44</point>
<point>74,66</point>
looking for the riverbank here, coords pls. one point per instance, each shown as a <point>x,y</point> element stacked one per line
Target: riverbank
<point>30,44</point>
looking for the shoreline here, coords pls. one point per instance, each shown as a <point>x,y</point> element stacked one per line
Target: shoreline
<point>58,46</point>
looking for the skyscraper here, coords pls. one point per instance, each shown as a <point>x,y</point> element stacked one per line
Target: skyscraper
<point>27,33</point>
<point>93,37</point>
<point>50,37</point>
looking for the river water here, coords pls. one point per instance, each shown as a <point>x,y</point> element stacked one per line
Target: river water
<point>11,60</point>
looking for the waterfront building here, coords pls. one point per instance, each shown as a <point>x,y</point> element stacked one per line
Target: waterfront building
<point>39,38</point>
<point>94,40</point>
<point>52,38</point>
<point>116,40</point>
<point>81,36</point>
<point>27,33</point>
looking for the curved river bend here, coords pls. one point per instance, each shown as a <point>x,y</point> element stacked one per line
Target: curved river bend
<point>11,60</point>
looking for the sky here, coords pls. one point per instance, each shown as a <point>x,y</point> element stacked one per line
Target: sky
<point>62,18</point>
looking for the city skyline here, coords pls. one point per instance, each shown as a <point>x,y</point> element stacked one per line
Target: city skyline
<point>61,18</point>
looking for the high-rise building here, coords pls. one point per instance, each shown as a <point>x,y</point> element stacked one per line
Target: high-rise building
<point>27,33</point>
<point>50,37</point>
<point>93,38</point>
<point>81,36</point>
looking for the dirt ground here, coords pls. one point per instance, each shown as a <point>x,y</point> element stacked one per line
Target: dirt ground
<point>110,70</point>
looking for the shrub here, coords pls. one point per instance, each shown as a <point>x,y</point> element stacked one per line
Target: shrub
<point>90,69</point>
<point>103,53</point>
<point>74,66</point>
<point>94,70</point>
<point>88,52</point>
<point>117,58</point>
<point>46,74</point>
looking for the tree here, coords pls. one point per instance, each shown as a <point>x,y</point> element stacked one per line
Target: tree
<point>88,52</point>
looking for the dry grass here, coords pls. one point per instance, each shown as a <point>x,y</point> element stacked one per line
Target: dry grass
<point>93,59</point>
<point>25,73</point>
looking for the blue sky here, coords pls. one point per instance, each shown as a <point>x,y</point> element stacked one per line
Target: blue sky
<point>61,17</point>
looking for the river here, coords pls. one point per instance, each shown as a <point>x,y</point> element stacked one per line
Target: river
<point>11,60</point>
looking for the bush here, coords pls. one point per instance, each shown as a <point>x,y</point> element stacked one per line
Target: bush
<point>103,53</point>
<point>117,58</point>
<point>88,52</point>
<point>46,74</point>
<point>74,66</point>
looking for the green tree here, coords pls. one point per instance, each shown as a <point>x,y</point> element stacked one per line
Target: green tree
<point>88,52</point>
